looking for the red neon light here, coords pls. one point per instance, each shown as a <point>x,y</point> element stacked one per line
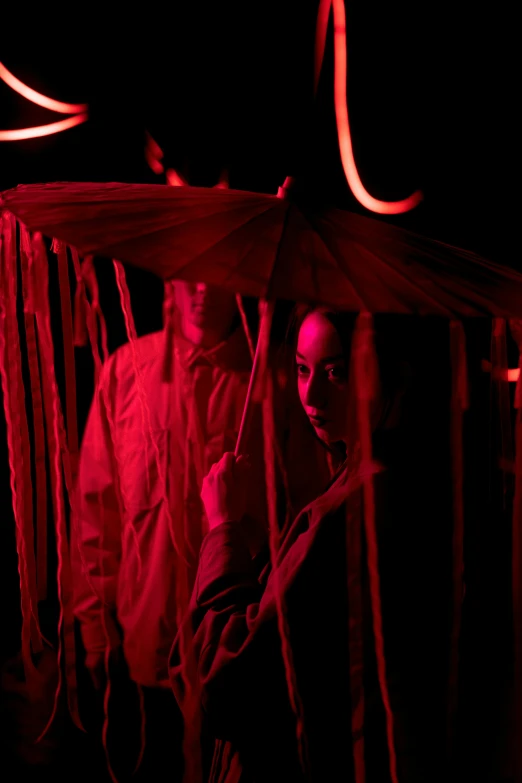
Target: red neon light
<point>79,110</point>
<point>37,97</point>
<point>343,125</point>
<point>511,374</point>
<point>42,130</point>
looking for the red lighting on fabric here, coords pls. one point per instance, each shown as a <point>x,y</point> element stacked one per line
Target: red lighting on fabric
<point>341,114</point>
<point>78,110</point>
<point>37,411</point>
<point>366,379</point>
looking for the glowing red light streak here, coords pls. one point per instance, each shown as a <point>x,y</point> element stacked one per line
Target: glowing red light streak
<point>42,130</point>
<point>501,373</point>
<point>343,125</point>
<point>79,111</point>
<point>37,97</point>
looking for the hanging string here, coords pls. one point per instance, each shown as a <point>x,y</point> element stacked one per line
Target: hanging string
<point>60,249</point>
<point>366,379</point>
<point>84,317</point>
<point>182,566</point>
<point>516,567</point>
<point>266,394</point>
<point>23,445</point>
<point>8,377</point>
<point>89,324</point>
<point>28,285</point>
<point>246,328</point>
<point>500,383</point>
<point>459,403</point>
<point>54,422</point>
<point>91,281</point>
<point>355,631</point>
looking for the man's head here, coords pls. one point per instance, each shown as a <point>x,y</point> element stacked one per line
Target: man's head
<point>207,313</point>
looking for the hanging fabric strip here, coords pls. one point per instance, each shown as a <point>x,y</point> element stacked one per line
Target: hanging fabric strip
<point>355,632</point>
<point>69,361</point>
<point>516,567</point>
<point>459,403</point>
<point>86,310</point>
<point>500,381</point>
<point>54,424</point>
<point>91,281</point>
<point>366,380</point>
<point>12,411</point>
<point>20,413</point>
<point>28,286</point>
<point>265,392</point>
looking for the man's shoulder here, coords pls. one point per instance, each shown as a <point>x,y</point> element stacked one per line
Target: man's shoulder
<point>145,353</point>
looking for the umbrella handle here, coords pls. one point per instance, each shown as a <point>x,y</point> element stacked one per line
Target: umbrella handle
<point>255,389</point>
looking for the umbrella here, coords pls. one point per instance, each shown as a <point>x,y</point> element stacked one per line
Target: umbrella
<point>273,248</point>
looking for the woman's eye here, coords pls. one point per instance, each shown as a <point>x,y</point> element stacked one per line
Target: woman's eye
<point>337,373</point>
<point>301,369</point>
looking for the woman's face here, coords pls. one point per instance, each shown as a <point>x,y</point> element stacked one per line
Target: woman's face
<point>322,378</point>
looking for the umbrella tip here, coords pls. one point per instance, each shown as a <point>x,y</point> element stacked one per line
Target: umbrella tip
<point>284,190</point>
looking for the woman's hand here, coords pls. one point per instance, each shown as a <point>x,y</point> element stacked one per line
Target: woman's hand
<point>224,490</point>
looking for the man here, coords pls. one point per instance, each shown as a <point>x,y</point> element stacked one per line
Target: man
<point>165,410</point>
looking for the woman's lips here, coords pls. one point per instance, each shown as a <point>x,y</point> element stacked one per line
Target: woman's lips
<point>318,421</point>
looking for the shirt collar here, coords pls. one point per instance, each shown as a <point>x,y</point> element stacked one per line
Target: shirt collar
<point>230,354</point>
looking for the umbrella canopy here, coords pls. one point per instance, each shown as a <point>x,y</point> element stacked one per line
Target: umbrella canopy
<point>264,246</point>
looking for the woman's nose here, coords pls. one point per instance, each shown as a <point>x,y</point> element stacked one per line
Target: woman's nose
<point>315,393</point>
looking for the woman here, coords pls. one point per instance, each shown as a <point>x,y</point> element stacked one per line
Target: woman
<point>240,665</point>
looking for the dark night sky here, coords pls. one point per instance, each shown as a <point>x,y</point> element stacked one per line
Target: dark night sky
<point>429,91</point>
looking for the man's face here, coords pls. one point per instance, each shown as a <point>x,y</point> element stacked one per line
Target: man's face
<point>206,307</point>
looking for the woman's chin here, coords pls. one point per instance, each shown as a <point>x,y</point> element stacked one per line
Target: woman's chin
<point>326,435</point>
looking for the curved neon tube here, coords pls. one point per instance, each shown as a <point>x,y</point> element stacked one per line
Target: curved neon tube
<point>37,97</point>
<point>343,128</point>
<point>42,130</point>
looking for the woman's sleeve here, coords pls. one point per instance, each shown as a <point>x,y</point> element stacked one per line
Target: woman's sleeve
<point>236,641</point>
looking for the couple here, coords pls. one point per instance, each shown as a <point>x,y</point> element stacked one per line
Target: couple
<point>242,674</point>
